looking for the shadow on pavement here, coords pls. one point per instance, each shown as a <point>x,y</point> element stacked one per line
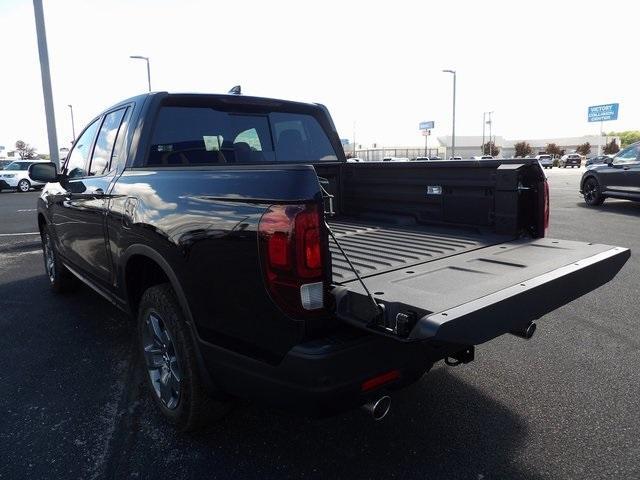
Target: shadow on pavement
<point>78,409</point>
<point>621,207</point>
<point>439,428</point>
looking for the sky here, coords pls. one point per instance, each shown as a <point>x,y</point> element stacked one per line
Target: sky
<point>377,66</point>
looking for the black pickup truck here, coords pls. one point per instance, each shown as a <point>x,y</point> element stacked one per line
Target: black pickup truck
<point>259,264</point>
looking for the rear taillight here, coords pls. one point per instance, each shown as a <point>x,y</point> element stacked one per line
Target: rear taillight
<point>546,207</point>
<point>543,209</point>
<point>291,248</point>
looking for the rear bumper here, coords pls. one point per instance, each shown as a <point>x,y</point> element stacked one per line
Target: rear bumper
<point>321,377</point>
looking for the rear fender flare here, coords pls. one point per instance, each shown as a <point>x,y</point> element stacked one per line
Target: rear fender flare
<point>144,250</point>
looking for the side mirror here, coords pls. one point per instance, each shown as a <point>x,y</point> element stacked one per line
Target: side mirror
<point>608,160</point>
<point>44,172</point>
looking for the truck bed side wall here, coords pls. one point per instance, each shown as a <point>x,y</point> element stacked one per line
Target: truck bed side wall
<point>204,223</point>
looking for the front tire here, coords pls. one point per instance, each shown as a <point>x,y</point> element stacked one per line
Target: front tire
<point>61,280</point>
<point>169,358</point>
<point>23,186</point>
<point>592,194</point>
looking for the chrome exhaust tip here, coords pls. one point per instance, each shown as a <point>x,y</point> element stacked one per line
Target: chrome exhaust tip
<point>526,332</point>
<point>379,408</point>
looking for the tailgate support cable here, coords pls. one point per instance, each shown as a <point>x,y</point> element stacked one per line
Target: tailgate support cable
<point>325,194</point>
<point>376,305</point>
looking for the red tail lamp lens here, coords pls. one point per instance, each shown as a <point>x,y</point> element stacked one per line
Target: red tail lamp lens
<point>278,246</point>
<point>292,254</point>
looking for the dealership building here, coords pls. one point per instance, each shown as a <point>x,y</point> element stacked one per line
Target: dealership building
<point>470,146</point>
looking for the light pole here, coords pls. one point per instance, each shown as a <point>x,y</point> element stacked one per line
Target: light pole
<point>46,82</point>
<point>146,59</point>
<point>490,123</point>
<point>490,126</point>
<point>73,125</point>
<point>453,130</point>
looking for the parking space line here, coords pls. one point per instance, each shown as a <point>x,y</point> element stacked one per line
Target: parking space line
<point>18,234</point>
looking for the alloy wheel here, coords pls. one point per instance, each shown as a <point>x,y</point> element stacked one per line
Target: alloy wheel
<point>23,185</point>
<point>161,360</point>
<point>49,257</point>
<point>590,191</point>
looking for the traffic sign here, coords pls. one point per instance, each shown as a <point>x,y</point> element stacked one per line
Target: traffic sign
<point>426,125</point>
<point>603,113</point>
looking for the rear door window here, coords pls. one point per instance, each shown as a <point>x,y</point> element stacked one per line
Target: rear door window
<point>206,136</point>
<point>105,142</point>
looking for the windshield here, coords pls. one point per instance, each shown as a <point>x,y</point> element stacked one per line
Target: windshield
<point>206,136</point>
<point>17,166</point>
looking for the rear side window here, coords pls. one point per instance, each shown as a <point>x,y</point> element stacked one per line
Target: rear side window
<point>105,142</point>
<point>206,136</point>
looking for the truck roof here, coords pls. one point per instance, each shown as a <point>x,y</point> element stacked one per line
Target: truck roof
<point>222,98</point>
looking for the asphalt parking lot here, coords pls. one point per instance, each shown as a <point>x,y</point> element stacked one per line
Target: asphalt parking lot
<point>563,405</point>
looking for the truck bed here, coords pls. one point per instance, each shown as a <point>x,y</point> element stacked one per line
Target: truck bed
<point>376,248</point>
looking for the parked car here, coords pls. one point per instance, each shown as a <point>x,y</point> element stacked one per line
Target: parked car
<point>455,158</point>
<point>4,163</point>
<point>482,157</point>
<point>617,177</point>
<point>260,264</point>
<point>570,160</point>
<point>597,160</point>
<point>15,176</point>
<point>395,159</point>
<point>546,161</point>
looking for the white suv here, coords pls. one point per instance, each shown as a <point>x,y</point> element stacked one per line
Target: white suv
<point>16,176</point>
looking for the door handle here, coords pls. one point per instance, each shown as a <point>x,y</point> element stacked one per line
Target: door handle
<point>96,192</point>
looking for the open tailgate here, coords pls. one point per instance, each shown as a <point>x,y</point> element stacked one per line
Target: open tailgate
<point>472,297</point>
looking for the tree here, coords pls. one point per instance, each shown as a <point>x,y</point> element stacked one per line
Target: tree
<point>627,137</point>
<point>43,156</point>
<point>584,149</point>
<point>490,148</point>
<point>553,149</point>
<point>522,149</point>
<point>25,151</point>
<point>611,147</point>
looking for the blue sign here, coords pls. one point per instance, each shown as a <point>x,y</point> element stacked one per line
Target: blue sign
<point>344,141</point>
<point>426,125</point>
<point>602,113</point>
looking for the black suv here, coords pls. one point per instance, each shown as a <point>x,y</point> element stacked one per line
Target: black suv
<point>618,177</point>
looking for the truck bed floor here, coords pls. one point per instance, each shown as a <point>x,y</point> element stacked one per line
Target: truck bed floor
<point>375,248</point>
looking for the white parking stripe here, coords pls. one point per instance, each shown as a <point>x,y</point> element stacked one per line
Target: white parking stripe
<point>18,234</point>
<point>27,210</point>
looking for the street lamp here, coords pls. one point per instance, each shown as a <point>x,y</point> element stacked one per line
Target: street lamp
<point>146,59</point>
<point>484,123</point>
<point>73,125</point>
<point>453,130</point>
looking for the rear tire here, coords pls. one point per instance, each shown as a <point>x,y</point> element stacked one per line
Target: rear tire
<point>61,280</point>
<point>168,356</point>
<point>592,194</point>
